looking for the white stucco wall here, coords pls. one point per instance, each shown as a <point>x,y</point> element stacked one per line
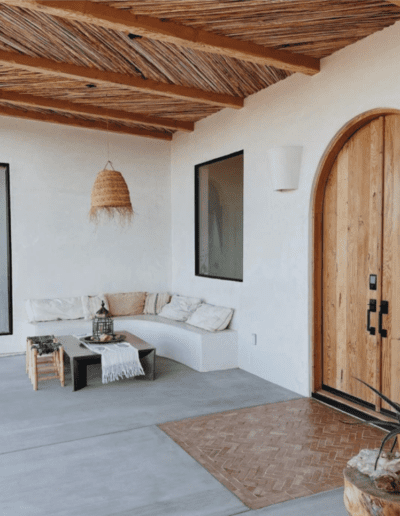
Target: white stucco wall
<point>56,251</point>
<point>274,299</point>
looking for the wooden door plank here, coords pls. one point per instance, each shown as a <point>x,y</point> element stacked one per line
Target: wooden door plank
<point>391,261</point>
<point>341,284</point>
<point>330,279</point>
<point>375,209</point>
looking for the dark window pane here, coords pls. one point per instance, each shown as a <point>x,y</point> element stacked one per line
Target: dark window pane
<point>219,218</point>
<point>5,265</point>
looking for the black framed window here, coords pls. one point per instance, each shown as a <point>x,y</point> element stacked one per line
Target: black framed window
<point>5,253</point>
<point>219,218</point>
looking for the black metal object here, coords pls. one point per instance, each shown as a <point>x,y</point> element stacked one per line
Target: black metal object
<point>384,310</point>
<point>102,323</point>
<point>371,308</point>
<point>372,282</point>
<point>7,266</point>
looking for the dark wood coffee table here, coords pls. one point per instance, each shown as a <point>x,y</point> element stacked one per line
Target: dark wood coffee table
<point>80,357</point>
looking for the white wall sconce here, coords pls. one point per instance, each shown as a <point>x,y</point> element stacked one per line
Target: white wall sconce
<point>284,163</point>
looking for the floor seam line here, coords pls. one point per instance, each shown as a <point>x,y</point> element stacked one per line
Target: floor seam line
<point>76,440</point>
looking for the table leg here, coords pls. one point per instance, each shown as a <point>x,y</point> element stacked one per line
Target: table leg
<point>78,373</point>
<point>148,361</point>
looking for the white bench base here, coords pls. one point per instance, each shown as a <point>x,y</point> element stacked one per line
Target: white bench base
<point>199,349</point>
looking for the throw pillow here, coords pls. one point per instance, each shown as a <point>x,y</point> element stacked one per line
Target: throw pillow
<point>129,303</point>
<point>91,304</point>
<point>54,309</point>
<point>180,308</point>
<point>210,317</point>
<point>155,302</point>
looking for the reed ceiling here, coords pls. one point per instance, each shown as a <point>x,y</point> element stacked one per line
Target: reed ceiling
<point>154,67</point>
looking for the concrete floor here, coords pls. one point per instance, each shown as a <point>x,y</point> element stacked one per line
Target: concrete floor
<point>99,452</point>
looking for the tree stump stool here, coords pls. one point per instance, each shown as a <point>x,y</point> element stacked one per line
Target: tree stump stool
<point>363,498</point>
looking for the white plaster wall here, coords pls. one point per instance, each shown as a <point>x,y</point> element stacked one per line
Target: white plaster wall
<point>56,251</point>
<point>274,299</point>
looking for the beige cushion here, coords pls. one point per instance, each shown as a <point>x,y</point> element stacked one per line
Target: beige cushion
<point>129,303</point>
<point>155,302</point>
<point>210,317</point>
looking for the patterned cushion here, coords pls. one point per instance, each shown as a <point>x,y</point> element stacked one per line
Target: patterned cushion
<point>129,303</point>
<point>155,302</point>
<point>210,317</point>
<point>180,308</point>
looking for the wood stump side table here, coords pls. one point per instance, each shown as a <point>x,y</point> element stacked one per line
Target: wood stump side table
<point>362,498</point>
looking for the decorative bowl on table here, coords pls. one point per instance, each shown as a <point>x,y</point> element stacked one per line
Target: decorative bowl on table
<point>109,339</point>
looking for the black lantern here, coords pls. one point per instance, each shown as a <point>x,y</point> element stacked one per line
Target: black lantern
<point>102,323</point>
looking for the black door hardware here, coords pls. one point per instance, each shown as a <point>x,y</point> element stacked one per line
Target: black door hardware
<point>384,309</point>
<point>372,308</point>
<point>372,281</point>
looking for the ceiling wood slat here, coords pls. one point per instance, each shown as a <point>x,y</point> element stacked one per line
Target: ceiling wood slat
<point>83,73</point>
<point>85,109</point>
<point>171,32</point>
<point>54,118</point>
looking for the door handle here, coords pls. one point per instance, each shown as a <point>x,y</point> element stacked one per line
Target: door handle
<point>384,310</point>
<point>371,308</point>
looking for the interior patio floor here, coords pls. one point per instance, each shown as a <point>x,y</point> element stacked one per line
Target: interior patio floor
<point>99,451</point>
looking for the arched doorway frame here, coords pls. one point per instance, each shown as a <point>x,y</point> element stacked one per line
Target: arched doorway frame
<point>321,177</point>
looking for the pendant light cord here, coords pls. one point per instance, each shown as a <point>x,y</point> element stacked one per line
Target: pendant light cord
<point>108,143</point>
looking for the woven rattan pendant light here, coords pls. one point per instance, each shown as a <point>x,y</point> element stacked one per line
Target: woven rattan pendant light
<point>110,197</point>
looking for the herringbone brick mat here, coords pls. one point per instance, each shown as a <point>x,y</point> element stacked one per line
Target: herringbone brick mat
<point>275,452</point>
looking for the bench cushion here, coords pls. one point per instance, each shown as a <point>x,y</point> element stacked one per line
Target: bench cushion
<point>210,317</point>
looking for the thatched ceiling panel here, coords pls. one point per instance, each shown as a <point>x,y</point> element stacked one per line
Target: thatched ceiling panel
<point>313,27</point>
<point>108,97</point>
<point>40,35</point>
<point>81,117</point>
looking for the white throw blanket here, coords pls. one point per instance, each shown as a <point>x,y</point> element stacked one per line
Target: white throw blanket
<point>117,360</point>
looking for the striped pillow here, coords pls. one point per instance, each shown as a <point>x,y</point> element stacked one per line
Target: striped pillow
<point>155,302</point>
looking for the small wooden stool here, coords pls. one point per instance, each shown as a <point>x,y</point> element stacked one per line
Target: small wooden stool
<point>46,367</point>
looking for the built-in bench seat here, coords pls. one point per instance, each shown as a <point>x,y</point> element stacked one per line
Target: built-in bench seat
<point>199,349</point>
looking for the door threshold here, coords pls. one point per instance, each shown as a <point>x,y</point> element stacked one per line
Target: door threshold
<point>354,409</point>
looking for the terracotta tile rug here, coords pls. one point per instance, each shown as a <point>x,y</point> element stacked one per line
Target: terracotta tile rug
<point>275,452</point>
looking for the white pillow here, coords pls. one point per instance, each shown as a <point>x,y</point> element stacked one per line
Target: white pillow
<point>54,309</point>
<point>210,317</point>
<point>180,308</point>
<point>92,304</point>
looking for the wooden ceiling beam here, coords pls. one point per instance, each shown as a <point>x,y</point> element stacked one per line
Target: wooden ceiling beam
<point>94,75</point>
<point>86,124</point>
<point>74,108</point>
<point>123,20</point>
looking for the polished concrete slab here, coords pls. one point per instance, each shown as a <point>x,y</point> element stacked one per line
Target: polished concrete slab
<point>99,452</point>
<point>140,472</point>
<point>329,503</point>
<point>54,414</point>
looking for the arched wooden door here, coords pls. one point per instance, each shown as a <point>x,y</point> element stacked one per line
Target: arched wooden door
<point>361,265</point>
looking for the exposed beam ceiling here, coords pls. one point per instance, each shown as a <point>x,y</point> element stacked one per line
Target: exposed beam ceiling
<point>82,73</point>
<point>76,122</point>
<point>171,32</point>
<point>31,101</point>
